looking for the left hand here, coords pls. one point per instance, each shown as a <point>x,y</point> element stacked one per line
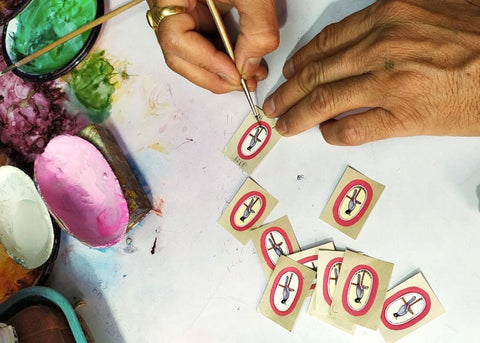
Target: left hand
<point>414,64</point>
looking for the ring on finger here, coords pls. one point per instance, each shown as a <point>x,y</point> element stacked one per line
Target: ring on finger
<point>156,14</point>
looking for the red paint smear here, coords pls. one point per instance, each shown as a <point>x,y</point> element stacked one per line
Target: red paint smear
<point>31,114</point>
<point>157,206</point>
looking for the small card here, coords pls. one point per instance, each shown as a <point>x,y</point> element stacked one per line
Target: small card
<point>273,240</point>
<point>329,264</point>
<point>252,141</point>
<point>351,202</point>
<point>248,209</point>
<point>407,307</point>
<point>309,259</point>
<point>361,289</point>
<point>286,290</point>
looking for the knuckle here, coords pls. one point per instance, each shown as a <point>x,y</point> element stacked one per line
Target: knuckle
<point>351,133</point>
<point>270,40</point>
<point>389,9</point>
<point>171,62</point>
<point>325,38</point>
<point>309,77</point>
<point>321,101</point>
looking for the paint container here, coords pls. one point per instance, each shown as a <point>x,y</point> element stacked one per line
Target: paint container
<point>43,22</point>
<point>26,230</point>
<point>81,191</point>
<point>10,8</point>
<point>138,203</point>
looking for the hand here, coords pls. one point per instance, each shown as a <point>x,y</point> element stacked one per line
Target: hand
<point>413,65</point>
<point>189,53</point>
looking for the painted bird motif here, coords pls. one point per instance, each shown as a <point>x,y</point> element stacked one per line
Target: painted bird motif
<point>353,201</point>
<point>286,290</point>
<point>405,308</point>
<point>255,138</point>
<point>249,209</point>
<point>276,247</point>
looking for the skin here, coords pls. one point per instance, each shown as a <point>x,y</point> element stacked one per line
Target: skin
<point>413,66</point>
<point>189,53</point>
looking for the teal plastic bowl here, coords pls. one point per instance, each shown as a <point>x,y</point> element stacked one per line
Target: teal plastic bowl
<point>42,296</point>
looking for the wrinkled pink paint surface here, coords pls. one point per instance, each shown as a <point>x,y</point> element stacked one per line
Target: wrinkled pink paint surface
<point>80,188</point>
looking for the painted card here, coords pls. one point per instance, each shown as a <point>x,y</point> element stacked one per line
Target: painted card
<point>329,264</point>
<point>286,290</point>
<point>272,241</point>
<point>351,202</point>
<point>407,307</point>
<point>361,289</point>
<point>252,141</point>
<point>248,209</point>
<point>309,259</point>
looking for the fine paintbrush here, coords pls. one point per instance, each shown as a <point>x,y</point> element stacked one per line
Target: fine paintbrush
<point>228,46</point>
<point>80,30</point>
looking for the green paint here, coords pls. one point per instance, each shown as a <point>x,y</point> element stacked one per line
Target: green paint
<point>389,65</point>
<point>43,22</point>
<point>93,87</point>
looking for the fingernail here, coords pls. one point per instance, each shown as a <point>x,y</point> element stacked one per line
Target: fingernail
<point>250,67</point>
<point>288,68</point>
<point>227,78</point>
<point>281,126</point>
<point>269,106</point>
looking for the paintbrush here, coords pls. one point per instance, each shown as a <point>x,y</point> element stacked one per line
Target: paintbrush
<point>217,18</point>
<point>80,30</point>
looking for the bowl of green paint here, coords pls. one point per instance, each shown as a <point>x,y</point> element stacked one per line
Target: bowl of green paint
<point>43,22</point>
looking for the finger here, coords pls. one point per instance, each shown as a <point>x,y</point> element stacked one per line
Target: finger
<point>357,129</point>
<point>341,66</point>
<point>331,39</point>
<point>327,101</point>
<point>177,39</point>
<point>200,76</point>
<point>258,36</point>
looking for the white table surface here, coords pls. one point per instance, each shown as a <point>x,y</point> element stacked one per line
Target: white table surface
<point>202,285</point>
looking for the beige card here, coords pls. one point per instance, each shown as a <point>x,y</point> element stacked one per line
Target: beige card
<point>328,269</point>
<point>407,307</point>
<point>252,141</point>
<point>309,259</point>
<point>286,290</point>
<point>351,202</point>
<point>361,289</point>
<point>248,209</point>
<point>273,240</point>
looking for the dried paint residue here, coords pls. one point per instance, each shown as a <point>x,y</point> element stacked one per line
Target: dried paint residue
<point>31,114</point>
<point>157,206</point>
<point>92,84</point>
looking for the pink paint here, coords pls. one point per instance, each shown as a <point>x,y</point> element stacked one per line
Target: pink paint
<point>82,191</point>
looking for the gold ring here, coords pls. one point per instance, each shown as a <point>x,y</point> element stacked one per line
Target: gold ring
<point>156,14</point>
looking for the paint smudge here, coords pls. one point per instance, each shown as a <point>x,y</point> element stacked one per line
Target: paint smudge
<point>130,248</point>
<point>31,114</point>
<point>389,65</point>
<point>92,84</point>
<point>44,22</point>
<point>9,8</point>
<point>152,251</point>
<point>187,140</point>
<point>157,206</point>
<point>300,177</point>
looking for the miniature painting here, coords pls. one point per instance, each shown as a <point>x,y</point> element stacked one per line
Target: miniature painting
<point>272,241</point>
<point>351,202</point>
<point>252,141</point>
<point>407,307</point>
<point>286,291</point>
<point>360,290</point>
<point>309,258</point>
<point>247,210</point>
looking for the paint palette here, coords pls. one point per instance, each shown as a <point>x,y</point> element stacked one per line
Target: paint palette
<point>43,22</point>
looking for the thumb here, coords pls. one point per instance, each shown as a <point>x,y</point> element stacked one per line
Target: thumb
<point>258,36</point>
<point>357,129</point>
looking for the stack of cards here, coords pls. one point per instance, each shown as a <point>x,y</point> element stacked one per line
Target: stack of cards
<point>346,288</point>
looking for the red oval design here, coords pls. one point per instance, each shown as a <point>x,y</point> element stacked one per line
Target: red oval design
<point>371,296</point>
<point>264,143</point>
<point>264,248</point>
<point>326,278</point>
<point>341,197</point>
<point>413,321</point>
<point>257,214</point>
<point>306,260</point>
<point>276,284</point>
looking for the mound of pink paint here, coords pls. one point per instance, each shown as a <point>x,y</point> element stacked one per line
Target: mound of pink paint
<point>81,191</point>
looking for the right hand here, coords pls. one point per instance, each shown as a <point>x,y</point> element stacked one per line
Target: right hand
<point>190,54</point>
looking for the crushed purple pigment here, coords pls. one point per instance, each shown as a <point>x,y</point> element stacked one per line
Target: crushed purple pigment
<point>31,114</point>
